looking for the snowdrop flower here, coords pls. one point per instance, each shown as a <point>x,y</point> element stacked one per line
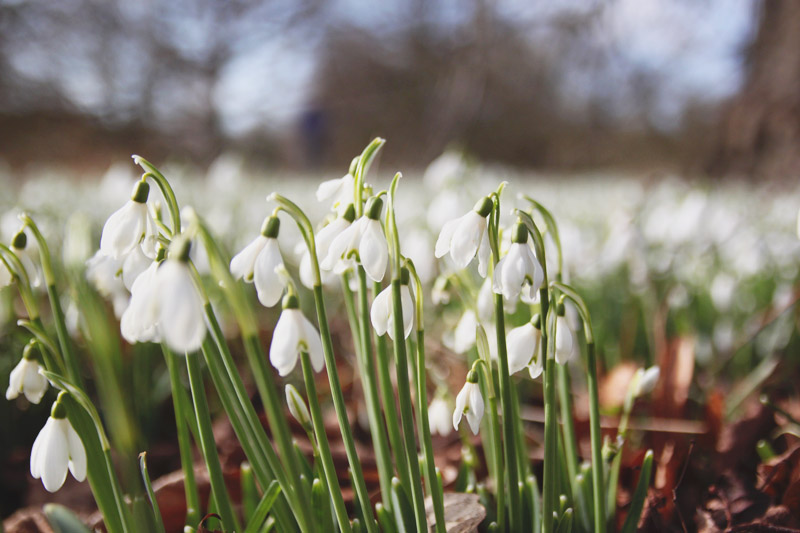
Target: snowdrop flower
<point>294,334</point>
<point>440,292</point>
<point>139,322</point>
<point>340,192</point>
<point>564,340</point>
<point>382,312</point>
<point>323,241</point>
<point>646,380</point>
<point>518,271</point>
<point>362,242</point>
<point>439,417</point>
<point>130,226</point>
<point>523,346</point>
<point>180,309</point>
<point>134,264</point>
<point>19,245</point>
<point>260,263</point>
<point>469,402</point>
<point>485,302</point>
<point>26,379</point>
<point>102,271</point>
<point>466,236</point>
<point>464,334</point>
<point>57,448</point>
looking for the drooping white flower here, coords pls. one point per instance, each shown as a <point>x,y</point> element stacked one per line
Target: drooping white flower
<point>518,272</point>
<point>57,448</point>
<point>485,303</point>
<point>523,345</point>
<point>134,264</point>
<point>26,379</point>
<point>382,312</point>
<point>139,322</point>
<point>129,226</point>
<point>180,308</point>
<point>338,191</point>
<point>467,236</point>
<point>323,240</point>
<point>19,245</point>
<point>564,341</point>
<point>261,263</point>
<point>362,242</point>
<point>469,402</point>
<point>439,417</point>
<point>293,334</point>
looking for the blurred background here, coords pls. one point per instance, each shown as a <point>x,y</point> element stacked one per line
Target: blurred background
<point>704,87</point>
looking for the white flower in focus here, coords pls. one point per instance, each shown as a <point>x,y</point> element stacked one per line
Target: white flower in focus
<point>180,308</point>
<point>26,379</point>
<point>260,262</point>
<point>469,402</point>
<point>519,270</point>
<point>129,226</point>
<point>565,340</point>
<point>340,191</point>
<point>439,417</point>
<point>523,346</point>
<point>56,449</point>
<point>382,312</point>
<point>323,240</point>
<point>364,242</point>
<point>466,236</point>
<point>139,322</point>
<point>294,334</point>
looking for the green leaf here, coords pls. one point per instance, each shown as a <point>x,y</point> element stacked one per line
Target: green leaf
<point>263,508</point>
<point>637,504</point>
<point>62,520</point>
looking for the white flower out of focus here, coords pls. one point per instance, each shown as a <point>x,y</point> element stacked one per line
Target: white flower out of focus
<point>464,334</point>
<point>439,418</point>
<point>19,245</point>
<point>57,448</point>
<point>518,272</point>
<point>382,312</point>
<point>139,322</point>
<point>362,242</point>
<point>467,236</point>
<point>339,192</point>
<point>646,380</point>
<point>294,334</point>
<point>523,346</point>
<point>469,402</point>
<point>26,379</point>
<point>129,226</point>
<point>260,263</point>
<point>564,341</point>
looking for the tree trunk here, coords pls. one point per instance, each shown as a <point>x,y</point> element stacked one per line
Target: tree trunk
<point>760,129</point>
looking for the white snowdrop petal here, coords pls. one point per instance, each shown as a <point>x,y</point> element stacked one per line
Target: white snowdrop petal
<point>34,384</point>
<point>407,305</point>
<point>135,263</point>
<point>380,312</point>
<point>180,317</point>
<point>466,330</point>
<point>373,251</point>
<point>461,403</point>
<point>54,456</point>
<point>285,339</point>
<point>467,238</point>
<point>564,341</point>
<point>522,344</point>
<point>445,236</point>
<point>439,417</point>
<point>269,283</point>
<point>123,230</point>
<point>313,344</point>
<point>15,380</point>
<point>475,412</point>
<point>243,263</point>
<point>77,454</point>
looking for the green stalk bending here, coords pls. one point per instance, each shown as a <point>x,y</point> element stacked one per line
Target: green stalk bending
<point>328,468</point>
<point>209,447</point>
<point>367,369</point>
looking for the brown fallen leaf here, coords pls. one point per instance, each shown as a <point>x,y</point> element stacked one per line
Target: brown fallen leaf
<point>462,512</point>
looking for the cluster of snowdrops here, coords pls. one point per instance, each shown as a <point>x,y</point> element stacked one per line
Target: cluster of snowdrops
<point>150,250</point>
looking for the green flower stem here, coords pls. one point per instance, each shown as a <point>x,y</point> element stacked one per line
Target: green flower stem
<point>616,464</point>
<point>425,435</point>
<point>70,358</point>
<point>567,426</point>
<point>523,468</point>
<point>341,407</point>
<point>406,410</point>
<point>390,408</point>
<point>328,467</point>
<point>307,230</point>
<point>594,408</point>
<point>166,190</point>
<point>50,354</point>
<point>17,269</point>
<point>257,360</point>
<point>509,424</point>
<point>550,444</point>
<point>366,360</point>
<point>182,412</point>
<point>364,161</point>
<point>352,314</point>
<point>208,446</point>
